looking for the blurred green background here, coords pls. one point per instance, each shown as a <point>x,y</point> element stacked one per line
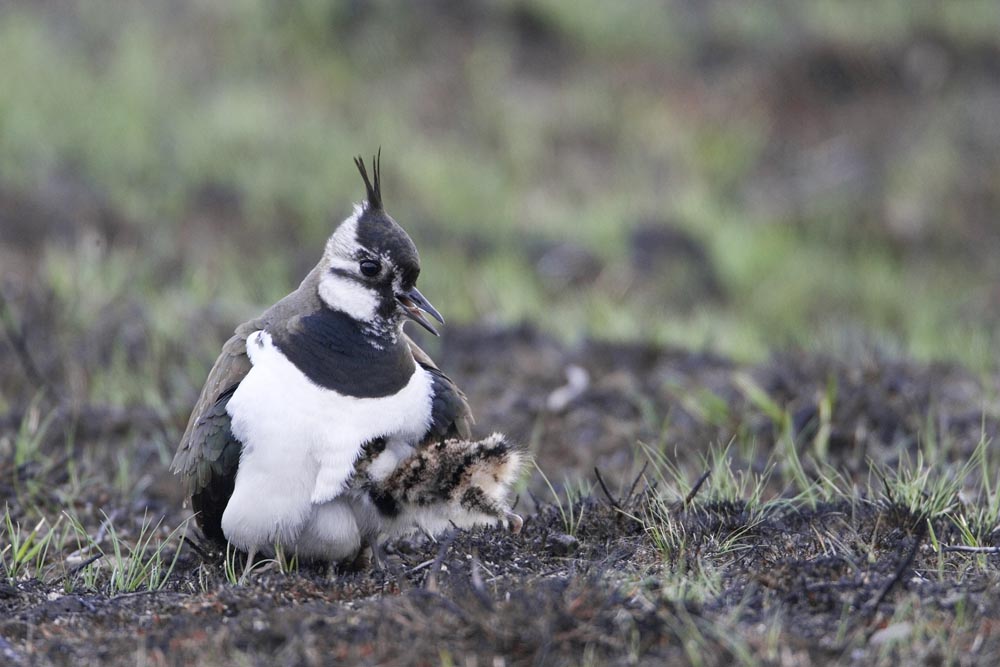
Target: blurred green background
<point>723,176</point>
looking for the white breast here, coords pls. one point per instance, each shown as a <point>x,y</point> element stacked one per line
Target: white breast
<point>300,442</point>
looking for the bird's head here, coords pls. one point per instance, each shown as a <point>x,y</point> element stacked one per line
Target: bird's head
<point>370,267</point>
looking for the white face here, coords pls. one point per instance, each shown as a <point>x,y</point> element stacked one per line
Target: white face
<point>347,293</point>
<point>344,286</point>
<point>349,297</point>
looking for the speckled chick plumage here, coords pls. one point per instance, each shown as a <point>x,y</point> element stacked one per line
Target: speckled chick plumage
<point>452,482</point>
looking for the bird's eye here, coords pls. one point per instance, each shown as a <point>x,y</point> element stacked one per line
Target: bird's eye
<point>370,268</point>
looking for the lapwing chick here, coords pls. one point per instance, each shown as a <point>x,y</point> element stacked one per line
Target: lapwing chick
<point>324,429</point>
<point>449,482</point>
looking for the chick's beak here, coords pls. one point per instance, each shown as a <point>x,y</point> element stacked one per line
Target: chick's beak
<point>415,305</point>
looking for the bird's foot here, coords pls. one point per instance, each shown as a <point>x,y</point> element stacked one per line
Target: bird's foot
<point>378,555</point>
<point>514,521</point>
<point>361,561</point>
<point>248,566</point>
<point>279,563</point>
<point>383,562</point>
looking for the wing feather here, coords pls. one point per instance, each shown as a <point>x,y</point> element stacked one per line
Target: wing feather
<point>451,416</point>
<point>208,454</point>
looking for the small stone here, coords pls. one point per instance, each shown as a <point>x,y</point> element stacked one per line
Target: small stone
<point>891,633</point>
<point>563,544</point>
<point>577,381</point>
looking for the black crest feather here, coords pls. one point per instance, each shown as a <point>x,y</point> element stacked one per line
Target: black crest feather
<point>374,185</point>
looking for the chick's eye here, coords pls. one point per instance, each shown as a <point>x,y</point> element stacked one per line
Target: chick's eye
<point>370,268</point>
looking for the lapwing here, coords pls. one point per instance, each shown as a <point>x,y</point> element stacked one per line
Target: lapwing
<point>323,429</point>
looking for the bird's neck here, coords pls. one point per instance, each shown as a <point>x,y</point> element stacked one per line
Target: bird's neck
<point>350,357</point>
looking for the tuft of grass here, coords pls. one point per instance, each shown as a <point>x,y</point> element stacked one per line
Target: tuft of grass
<point>964,496</point>
<point>802,466</point>
<point>230,565</point>
<point>24,553</point>
<point>143,564</point>
<point>695,559</point>
<point>31,434</point>
<point>123,565</point>
<point>725,481</point>
<point>571,503</point>
<point>980,508</point>
<point>925,489</point>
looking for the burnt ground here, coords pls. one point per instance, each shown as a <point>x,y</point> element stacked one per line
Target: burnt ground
<point>814,508</point>
<point>648,570</point>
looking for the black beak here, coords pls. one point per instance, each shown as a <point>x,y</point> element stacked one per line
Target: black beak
<point>415,305</point>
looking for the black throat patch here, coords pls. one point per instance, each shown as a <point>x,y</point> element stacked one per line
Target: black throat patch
<point>333,351</point>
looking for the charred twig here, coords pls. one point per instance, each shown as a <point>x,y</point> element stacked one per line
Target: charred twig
<point>631,490</point>
<point>96,540</point>
<point>477,583</point>
<point>885,485</point>
<point>427,596</point>
<point>903,566</point>
<point>135,594</point>
<point>697,487</point>
<point>970,550</point>
<point>77,569</point>
<point>421,566</point>
<point>534,499</point>
<point>430,584</point>
<point>102,530</point>
<point>618,556</point>
<point>204,555</point>
<point>604,487</point>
